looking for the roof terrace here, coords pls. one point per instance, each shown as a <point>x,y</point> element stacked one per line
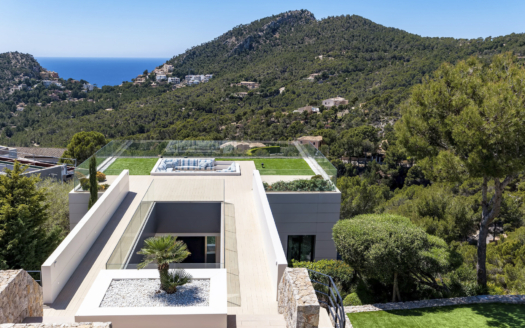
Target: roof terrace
<point>275,160</point>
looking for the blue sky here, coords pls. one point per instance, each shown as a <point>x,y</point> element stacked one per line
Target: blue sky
<point>163,28</point>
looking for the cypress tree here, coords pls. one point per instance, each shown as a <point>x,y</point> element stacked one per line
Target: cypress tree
<point>93,184</point>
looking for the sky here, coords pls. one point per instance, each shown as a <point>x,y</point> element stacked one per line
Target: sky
<point>164,28</point>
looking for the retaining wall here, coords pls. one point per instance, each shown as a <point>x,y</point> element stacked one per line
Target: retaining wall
<point>20,297</point>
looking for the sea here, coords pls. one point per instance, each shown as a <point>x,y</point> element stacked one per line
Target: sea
<point>100,71</point>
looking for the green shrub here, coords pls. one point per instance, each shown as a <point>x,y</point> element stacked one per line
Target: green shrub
<point>341,273</point>
<point>317,177</point>
<point>300,185</point>
<point>269,150</point>
<point>352,300</point>
<point>173,279</point>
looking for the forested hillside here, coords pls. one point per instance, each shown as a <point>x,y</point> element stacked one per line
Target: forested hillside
<point>14,68</point>
<point>371,65</point>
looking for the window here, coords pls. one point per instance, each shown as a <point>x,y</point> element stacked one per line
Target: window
<point>211,247</point>
<point>301,248</point>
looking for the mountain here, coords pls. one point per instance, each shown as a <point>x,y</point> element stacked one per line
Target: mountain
<point>15,67</point>
<point>371,65</point>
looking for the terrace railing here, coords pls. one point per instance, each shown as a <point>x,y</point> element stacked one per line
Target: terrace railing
<point>328,295</point>
<point>208,148</point>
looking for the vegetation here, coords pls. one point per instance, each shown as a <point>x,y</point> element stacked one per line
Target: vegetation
<point>300,185</point>
<point>136,166</point>
<point>342,274</point>
<point>25,241</point>
<point>173,279</point>
<point>93,182</point>
<point>83,145</point>
<point>372,66</point>
<point>466,121</point>
<point>57,203</point>
<point>389,248</point>
<point>101,177</point>
<point>162,251</point>
<point>465,316</point>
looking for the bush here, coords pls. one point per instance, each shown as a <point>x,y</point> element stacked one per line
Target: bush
<point>263,150</point>
<point>173,279</point>
<point>352,300</point>
<point>341,273</point>
<point>300,185</point>
<point>101,177</point>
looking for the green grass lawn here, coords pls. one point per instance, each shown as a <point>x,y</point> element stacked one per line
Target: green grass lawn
<point>463,316</point>
<point>277,166</point>
<point>136,166</point>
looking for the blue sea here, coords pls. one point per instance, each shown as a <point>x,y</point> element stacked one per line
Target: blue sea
<point>100,71</point>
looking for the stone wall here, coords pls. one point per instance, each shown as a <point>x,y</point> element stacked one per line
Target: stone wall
<point>56,325</point>
<point>297,300</point>
<point>20,297</point>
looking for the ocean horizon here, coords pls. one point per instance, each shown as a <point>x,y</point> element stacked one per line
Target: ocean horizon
<point>99,70</point>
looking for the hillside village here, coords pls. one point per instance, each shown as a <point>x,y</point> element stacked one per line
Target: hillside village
<point>164,74</point>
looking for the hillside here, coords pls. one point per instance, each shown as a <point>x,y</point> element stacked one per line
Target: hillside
<point>15,67</point>
<point>371,65</point>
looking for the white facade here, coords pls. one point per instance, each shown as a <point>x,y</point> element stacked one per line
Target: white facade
<point>174,80</point>
<point>161,77</point>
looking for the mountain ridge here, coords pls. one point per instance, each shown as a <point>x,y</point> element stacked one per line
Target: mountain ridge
<point>353,57</point>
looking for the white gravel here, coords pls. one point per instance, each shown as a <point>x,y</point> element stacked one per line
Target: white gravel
<point>146,293</point>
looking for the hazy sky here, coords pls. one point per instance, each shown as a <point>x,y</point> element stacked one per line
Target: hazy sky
<point>163,28</point>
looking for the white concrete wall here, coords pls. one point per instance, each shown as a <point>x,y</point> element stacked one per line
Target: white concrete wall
<point>78,206</point>
<point>272,244</point>
<point>307,213</point>
<point>59,267</point>
<point>212,316</point>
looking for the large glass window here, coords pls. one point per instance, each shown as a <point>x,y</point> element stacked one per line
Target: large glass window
<point>301,248</point>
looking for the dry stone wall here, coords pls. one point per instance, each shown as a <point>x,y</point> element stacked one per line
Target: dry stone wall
<point>20,297</point>
<point>297,300</point>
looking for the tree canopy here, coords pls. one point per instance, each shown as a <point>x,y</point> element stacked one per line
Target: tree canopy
<point>382,246</point>
<point>83,145</point>
<point>24,240</point>
<point>466,121</point>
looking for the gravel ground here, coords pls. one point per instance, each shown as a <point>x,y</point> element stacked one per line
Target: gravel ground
<point>146,293</point>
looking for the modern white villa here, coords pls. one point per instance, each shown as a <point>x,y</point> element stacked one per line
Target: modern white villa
<point>244,215</point>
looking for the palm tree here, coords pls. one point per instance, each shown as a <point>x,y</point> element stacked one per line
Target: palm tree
<point>163,250</point>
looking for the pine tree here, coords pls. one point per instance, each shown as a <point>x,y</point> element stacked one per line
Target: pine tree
<point>24,241</point>
<point>93,184</point>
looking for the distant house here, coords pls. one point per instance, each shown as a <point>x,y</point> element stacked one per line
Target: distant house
<point>88,87</point>
<point>140,79</point>
<point>337,101</point>
<point>18,108</point>
<point>158,71</point>
<point>46,83</point>
<point>249,85</point>
<point>167,68</point>
<point>161,77</point>
<point>281,90</point>
<point>308,109</point>
<point>174,80</point>
<point>53,75</point>
<point>316,141</point>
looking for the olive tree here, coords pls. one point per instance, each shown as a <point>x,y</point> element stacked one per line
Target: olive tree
<point>468,121</point>
<point>386,246</point>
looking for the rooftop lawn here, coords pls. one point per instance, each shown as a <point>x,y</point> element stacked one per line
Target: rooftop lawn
<point>136,166</point>
<point>272,166</point>
<point>277,166</point>
<point>464,316</point>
